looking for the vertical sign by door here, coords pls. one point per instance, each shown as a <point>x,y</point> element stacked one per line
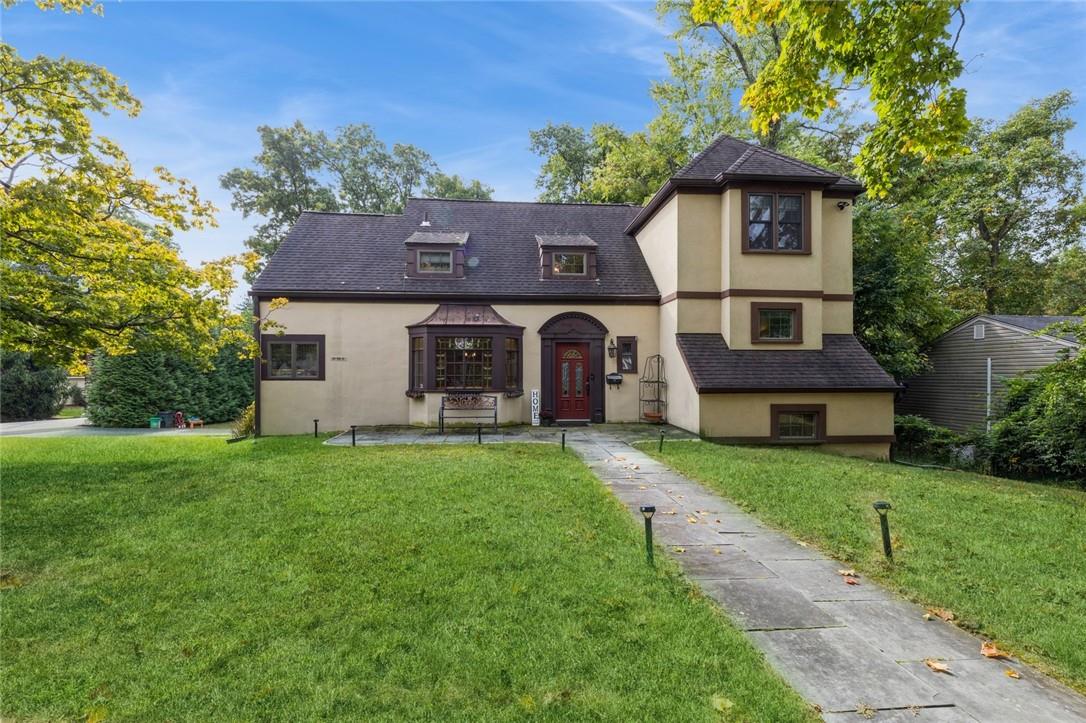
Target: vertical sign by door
<point>535,407</point>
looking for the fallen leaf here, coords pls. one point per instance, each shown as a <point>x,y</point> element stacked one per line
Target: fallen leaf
<point>643,487</point>
<point>851,581</point>
<point>670,512</point>
<point>801,543</point>
<point>692,520</point>
<point>721,704</point>
<point>865,711</point>
<point>1011,673</point>
<point>989,650</point>
<point>937,666</point>
<point>940,613</point>
<point>716,550</point>
<point>847,573</point>
<point>678,550</point>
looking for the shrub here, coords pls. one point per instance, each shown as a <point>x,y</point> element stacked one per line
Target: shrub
<point>29,390</point>
<point>919,438</point>
<point>125,391</point>
<point>245,425</point>
<point>1042,430</point>
<point>75,396</point>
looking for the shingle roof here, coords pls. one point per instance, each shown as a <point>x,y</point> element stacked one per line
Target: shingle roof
<point>341,253</point>
<point>734,158</point>
<point>1033,323</point>
<point>565,240</point>
<point>841,364</point>
<point>438,237</point>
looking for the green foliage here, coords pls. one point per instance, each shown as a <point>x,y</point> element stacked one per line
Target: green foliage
<point>897,305</point>
<point>186,579</point>
<point>245,424</point>
<point>299,169</point>
<point>918,438</point>
<point>1065,287</point>
<point>124,391</point>
<point>29,389</point>
<point>1006,207</point>
<point>87,261</point>
<point>1041,432</point>
<point>570,155</point>
<point>442,185</point>
<point>902,53</point>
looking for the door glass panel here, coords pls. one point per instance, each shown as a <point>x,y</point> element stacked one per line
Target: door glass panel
<point>578,372</point>
<point>565,379</point>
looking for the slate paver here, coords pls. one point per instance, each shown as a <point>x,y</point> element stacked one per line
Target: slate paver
<point>819,580</point>
<point>837,670</point>
<point>946,714</point>
<point>722,562</point>
<point>770,604</point>
<point>900,631</point>
<point>981,688</point>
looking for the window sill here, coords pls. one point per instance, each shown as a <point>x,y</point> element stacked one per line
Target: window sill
<point>782,252</point>
<point>776,341</point>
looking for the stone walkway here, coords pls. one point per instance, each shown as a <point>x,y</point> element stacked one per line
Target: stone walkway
<point>855,651</point>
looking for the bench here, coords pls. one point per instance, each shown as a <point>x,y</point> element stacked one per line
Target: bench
<point>468,406</point>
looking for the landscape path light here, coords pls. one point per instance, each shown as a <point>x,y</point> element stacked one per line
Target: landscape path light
<point>647,511</point>
<point>882,508</point>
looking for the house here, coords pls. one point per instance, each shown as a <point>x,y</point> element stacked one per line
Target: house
<point>733,285</point>
<point>969,363</point>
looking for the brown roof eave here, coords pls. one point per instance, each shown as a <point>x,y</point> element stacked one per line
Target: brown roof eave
<point>424,297</point>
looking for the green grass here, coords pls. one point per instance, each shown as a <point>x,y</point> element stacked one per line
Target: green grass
<point>187,579</point>
<point>69,413</point>
<point>1007,558</point>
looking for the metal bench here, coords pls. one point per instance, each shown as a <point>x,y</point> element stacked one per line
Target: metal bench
<point>468,406</point>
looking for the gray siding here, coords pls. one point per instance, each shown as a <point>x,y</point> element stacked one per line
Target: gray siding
<point>952,394</point>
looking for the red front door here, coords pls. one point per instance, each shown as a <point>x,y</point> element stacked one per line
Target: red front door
<point>571,381</point>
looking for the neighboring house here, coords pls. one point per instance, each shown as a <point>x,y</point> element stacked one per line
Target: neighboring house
<point>969,363</point>
<point>738,274</point>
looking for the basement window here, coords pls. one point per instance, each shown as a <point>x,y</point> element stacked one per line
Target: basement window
<point>798,423</point>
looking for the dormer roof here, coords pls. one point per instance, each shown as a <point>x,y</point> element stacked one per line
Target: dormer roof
<point>728,160</point>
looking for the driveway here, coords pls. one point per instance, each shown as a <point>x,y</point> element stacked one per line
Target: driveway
<point>78,427</point>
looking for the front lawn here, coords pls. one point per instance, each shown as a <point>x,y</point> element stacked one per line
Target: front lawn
<point>69,413</point>
<point>187,579</point>
<point>1007,558</point>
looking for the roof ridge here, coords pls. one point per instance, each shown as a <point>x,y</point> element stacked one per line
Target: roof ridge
<point>739,161</point>
<point>788,158</point>
<point>720,138</point>
<point>532,203</point>
<point>352,213</point>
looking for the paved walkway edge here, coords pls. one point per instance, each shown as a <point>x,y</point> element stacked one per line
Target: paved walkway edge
<point>856,652</point>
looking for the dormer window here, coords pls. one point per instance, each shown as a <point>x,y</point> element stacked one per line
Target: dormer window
<point>435,253</point>
<point>569,264</point>
<point>567,255</point>
<point>435,262</point>
<point>776,222</point>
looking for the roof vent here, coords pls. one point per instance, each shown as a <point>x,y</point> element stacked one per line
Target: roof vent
<point>425,219</point>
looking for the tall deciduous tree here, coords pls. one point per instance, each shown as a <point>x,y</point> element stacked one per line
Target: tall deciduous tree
<point>300,169</point>
<point>442,185</point>
<point>902,53</point>
<point>1008,206</point>
<point>87,261</point>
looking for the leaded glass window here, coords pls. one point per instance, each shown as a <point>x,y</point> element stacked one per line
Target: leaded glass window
<point>464,362</point>
<point>797,425</point>
<point>512,363</point>
<point>776,324</point>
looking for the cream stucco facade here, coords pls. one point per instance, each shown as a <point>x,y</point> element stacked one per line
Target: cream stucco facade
<point>709,284</point>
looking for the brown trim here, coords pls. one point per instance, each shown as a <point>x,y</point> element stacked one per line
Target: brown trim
<point>456,259</point>
<point>632,341</point>
<point>797,390</point>
<point>265,355</point>
<point>776,410</point>
<point>393,297</point>
<point>839,439</point>
<point>778,293</point>
<point>546,262</point>
<point>257,367</point>
<point>781,293</point>
<point>776,192</point>
<point>756,307</point>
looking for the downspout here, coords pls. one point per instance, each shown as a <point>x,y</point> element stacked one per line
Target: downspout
<point>256,365</point>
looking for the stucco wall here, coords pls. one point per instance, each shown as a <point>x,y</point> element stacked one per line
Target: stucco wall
<point>366,357</point>
<point>848,414</point>
<point>737,312</point>
<point>658,242</point>
<point>772,271</point>
<point>682,400</point>
<point>699,241</point>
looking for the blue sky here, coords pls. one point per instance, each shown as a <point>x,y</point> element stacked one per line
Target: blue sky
<point>465,81</point>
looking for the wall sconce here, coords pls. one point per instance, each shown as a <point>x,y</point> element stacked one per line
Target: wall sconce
<point>612,348</point>
<point>842,205</point>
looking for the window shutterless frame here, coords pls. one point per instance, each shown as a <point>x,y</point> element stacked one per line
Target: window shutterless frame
<point>429,261</point>
<point>776,411</point>
<point>503,358</point>
<point>266,343</point>
<point>569,260</point>
<point>627,354</point>
<point>756,308</point>
<point>774,194</point>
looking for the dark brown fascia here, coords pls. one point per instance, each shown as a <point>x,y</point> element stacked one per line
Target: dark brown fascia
<point>401,297</point>
<point>792,390</point>
<point>719,185</point>
<point>780,293</point>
